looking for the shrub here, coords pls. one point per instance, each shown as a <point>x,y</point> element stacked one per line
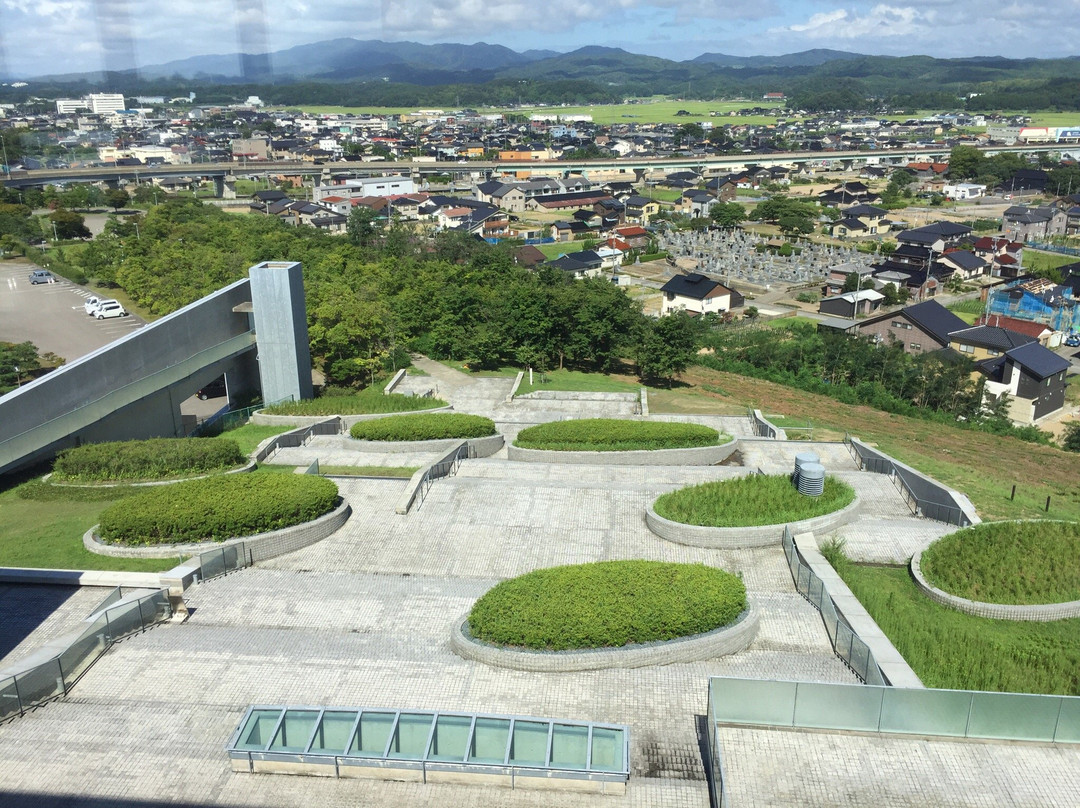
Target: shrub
<point>748,501</point>
<point>436,426</point>
<point>369,401</point>
<point>607,604</point>
<point>614,435</point>
<point>217,508</point>
<point>1018,563</point>
<point>154,459</point>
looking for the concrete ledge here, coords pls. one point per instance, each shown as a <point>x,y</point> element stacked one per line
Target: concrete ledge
<point>1036,613</point>
<point>696,456</point>
<point>893,666</point>
<point>105,578</point>
<point>394,382</point>
<point>731,538</point>
<point>478,447</point>
<point>517,384</point>
<point>261,546</point>
<point>408,496</point>
<point>250,466</point>
<point>578,395</point>
<point>261,418</point>
<point>722,642</point>
<point>761,420</point>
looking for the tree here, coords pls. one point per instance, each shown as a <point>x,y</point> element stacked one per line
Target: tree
<point>116,198</point>
<point>1070,439</point>
<point>363,226</point>
<point>851,283</point>
<point>792,224</point>
<point>752,313</point>
<point>667,348</point>
<point>69,224</point>
<point>727,214</point>
<point>892,294</point>
<point>965,162</point>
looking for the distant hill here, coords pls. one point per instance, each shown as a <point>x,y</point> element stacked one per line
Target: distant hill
<point>809,58</point>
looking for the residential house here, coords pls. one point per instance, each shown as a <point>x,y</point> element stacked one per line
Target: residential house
<point>634,235</point>
<point>1004,256</point>
<point>583,264</point>
<point>725,188</point>
<point>861,220</point>
<point>529,256</point>
<point>964,263</point>
<point>695,203</point>
<point>696,294</point>
<point>1038,331</point>
<point>934,237</point>
<point>848,193</point>
<point>982,342</point>
<point>640,209</point>
<point>920,328</point>
<point>851,304</point>
<point>1021,223</point>
<point>963,190</point>
<point>569,231</point>
<point>1034,379</point>
<point>1039,300</point>
<point>838,275</point>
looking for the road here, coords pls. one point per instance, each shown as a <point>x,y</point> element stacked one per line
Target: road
<point>52,317</point>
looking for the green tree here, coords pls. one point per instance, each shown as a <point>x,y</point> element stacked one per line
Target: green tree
<point>1070,439</point>
<point>68,224</point>
<point>364,225</point>
<point>667,348</point>
<point>965,162</point>
<point>727,214</point>
<point>892,294</point>
<point>117,198</point>
<point>18,361</point>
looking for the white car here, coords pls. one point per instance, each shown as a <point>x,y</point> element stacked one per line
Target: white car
<point>92,303</point>
<point>110,309</point>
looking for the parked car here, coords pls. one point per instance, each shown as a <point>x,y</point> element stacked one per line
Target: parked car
<point>93,303</point>
<point>1072,341</point>
<point>216,389</point>
<point>41,276</point>
<point>112,309</point>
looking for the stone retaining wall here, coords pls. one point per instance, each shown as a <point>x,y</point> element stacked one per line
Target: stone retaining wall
<point>576,395</point>
<point>479,447</point>
<point>1038,613</point>
<point>696,456</point>
<point>730,538</point>
<point>262,546</point>
<point>721,642</point>
<point>262,419</point>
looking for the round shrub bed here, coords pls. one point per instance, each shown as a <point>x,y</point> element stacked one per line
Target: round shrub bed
<point>217,508</point>
<point>616,435</point>
<point>748,501</point>
<point>154,459</point>
<point>436,426</point>
<point>607,604</point>
<point>367,402</point>
<point>1015,563</point>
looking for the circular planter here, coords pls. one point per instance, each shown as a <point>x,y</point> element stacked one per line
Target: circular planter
<point>251,466</point>
<point>733,538</point>
<point>262,545</point>
<point>726,640</point>
<point>1034,613</point>
<point>694,456</point>
<point>261,418</point>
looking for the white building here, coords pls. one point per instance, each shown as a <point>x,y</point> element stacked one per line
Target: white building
<point>103,103</point>
<point>393,185</point>
<point>964,190</point>
<point>69,106</point>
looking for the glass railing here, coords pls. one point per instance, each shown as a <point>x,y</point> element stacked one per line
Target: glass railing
<point>54,678</point>
<point>222,560</point>
<point>341,741</point>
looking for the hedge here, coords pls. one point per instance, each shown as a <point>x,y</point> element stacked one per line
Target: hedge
<point>607,604</point>
<point>154,459</point>
<point>217,508</point>
<point>615,435</point>
<point>1017,563</point>
<point>369,401</point>
<point>749,501</point>
<point>436,426</point>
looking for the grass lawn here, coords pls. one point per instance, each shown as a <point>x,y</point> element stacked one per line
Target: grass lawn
<point>505,372</point>
<point>553,251</point>
<point>1035,261</point>
<point>663,194</point>
<point>249,436</point>
<point>48,534</point>
<point>369,471</point>
<point>577,381</point>
<point>979,464</point>
<point>789,322</point>
<point>751,501</point>
<point>949,649</point>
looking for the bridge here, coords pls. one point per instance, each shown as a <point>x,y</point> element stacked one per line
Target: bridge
<point>224,174</point>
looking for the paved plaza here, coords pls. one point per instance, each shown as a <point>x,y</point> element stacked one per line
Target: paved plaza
<point>364,617</point>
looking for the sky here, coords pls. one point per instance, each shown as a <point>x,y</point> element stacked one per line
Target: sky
<point>41,37</point>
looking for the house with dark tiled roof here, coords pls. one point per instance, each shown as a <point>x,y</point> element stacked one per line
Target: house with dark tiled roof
<point>583,264</point>
<point>921,328</point>
<point>696,294</point>
<point>1022,223</point>
<point>982,342</point>
<point>1038,331</point>
<point>851,304</point>
<point>1032,376</point>
<point>963,263</point>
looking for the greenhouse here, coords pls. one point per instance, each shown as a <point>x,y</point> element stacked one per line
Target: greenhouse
<point>517,752</point>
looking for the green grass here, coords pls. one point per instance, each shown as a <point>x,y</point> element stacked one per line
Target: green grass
<point>616,435</point>
<point>1035,261</point>
<point>497,373</point>
<point>949,649</point>
<point>1008,562</point>
<point>750,501</point>
<point>664,194</point>
<point>607,604</point>
<point>249,436</point>
<point>788,322</point>
<point>433,426</point>
<point>366,402</point>
<point>576,381</point>
<point>47,531</point>
<point>369,471</point>
<point>553,251</point>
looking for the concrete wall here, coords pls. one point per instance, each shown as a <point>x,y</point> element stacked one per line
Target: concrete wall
<point>479,447</point>
<point>721,642</point>
<point>131,388</point>
<point>277,299</point>
<point>698,456</point>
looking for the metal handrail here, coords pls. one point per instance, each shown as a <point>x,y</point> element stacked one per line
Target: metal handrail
<point>445,468</point>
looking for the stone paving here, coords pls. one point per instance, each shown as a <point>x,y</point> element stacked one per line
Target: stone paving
<point>363,618</point>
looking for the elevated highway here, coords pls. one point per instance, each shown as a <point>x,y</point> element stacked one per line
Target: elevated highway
<point>222,172</point>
